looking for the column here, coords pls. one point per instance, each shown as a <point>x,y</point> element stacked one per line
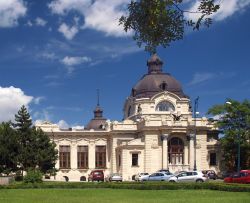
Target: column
<point>165,151</point>
<point>191,151</point>
<point>186,154</point>
<point>92,155</point>
<point>114,156</point>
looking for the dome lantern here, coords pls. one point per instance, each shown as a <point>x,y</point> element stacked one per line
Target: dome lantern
<point>154,64</point>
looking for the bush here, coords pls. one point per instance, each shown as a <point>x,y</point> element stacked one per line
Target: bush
<point>33,176</point>
<point>137,186</point>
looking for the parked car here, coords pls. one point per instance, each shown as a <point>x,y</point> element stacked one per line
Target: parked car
<point>96,175</point>
<point>210,174</point>
<point>178,172</point>
<point>163,170</point>
<point>140,176</point>
<point>115,177</point>
<point>158,176</point>
<point>242,177</point>
<point>190,176</point>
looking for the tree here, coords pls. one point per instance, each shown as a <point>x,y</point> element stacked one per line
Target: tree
<point>160,22</point>
<point>37,150</point>
<point>234,122</point>
<point>46,155</point>
<point>9,149</point>
<point>26,138</point>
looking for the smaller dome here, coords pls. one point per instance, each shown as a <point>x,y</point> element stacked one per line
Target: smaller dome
<point>98,122</point>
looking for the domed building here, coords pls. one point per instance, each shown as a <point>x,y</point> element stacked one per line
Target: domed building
<point>158,132</point>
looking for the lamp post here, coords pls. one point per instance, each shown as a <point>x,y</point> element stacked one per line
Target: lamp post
<point>238,143</point>
<point>195,131</point>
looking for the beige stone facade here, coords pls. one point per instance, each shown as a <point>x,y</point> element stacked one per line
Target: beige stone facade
<point>158,132</point>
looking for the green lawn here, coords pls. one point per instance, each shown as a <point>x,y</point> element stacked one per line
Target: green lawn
<point>120,196</point>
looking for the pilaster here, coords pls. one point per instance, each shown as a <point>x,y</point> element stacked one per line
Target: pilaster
<point>91,155</point>
<point>191,151</point>
<point>165,151</point>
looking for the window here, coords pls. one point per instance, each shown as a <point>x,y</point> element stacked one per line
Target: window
<point>163,86</point>
<point>82,156</point>
<point>175,151</point>
<point>212,159</point>
<point>134,159</point>
<point>100,156</point>
<point>64,157</point>
<point>165,106</point>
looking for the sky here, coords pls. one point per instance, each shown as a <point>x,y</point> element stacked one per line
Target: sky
<point>55,54</point>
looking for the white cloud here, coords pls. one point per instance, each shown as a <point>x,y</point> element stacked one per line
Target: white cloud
<point>201,77</point>
<point>40,22</point>
<point>48,55</point>
<point>63,125</point>
<point>11,11</point>
<point>68,32</point>
<point>11,99</point>
<point>72,61</point>
<point>37,100</point>
<point>64,6</point>
<point>227,9</point>
<point>101,15</point>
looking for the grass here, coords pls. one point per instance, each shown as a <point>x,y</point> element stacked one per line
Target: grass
<point>120,196</point>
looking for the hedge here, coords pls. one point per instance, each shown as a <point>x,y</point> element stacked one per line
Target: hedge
<point>132,185</point>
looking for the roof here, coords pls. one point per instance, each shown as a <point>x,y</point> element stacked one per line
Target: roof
<point>156,81</point>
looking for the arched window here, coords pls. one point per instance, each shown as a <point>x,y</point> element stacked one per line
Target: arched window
<point>165,106</point>
<point>176,151</point>
<point>129,111</point>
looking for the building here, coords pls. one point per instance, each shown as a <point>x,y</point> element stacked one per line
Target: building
<point>158,132</point>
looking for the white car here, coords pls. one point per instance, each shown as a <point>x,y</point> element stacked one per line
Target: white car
<point>115,177</point>
<point>141,176</point>
<point>158,176</point>
<point>189,176</point>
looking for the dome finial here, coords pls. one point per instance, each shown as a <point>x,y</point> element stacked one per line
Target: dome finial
<point>98,97</point>
<point>154,64</point>
<point>98,110</point>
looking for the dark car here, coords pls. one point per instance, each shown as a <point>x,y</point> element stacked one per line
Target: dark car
<point>242,177</point>
<point>210,174</point>
<point>96,175</point>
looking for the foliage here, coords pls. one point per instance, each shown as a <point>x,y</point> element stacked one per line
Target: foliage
<point>138,186</point>
<point>25,146</point>
<point>235,124</point>
<point>45,153</point>
<point>33,176</point>
<point>23,126</point>
<point>9,149</point>
<point>160,22</point>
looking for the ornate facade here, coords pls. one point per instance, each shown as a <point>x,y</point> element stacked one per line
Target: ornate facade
<point>158,132</point>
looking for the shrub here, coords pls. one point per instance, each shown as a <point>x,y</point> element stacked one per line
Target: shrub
<point>33,176</point>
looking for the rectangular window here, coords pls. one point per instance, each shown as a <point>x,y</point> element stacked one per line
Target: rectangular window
<point>134,159</point>
<point>64,156</point>
<point>100,156</point>
<point>82,156</point>
<point>212,159</point>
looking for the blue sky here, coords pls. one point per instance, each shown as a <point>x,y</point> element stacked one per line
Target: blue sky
<point>54,54</point>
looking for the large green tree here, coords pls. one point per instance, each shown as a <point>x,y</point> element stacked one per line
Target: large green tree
<point>160,22</point>
<point>23,126</point>
<point>36,148</point>
<point>9,149</point>
<point>234,121</point>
